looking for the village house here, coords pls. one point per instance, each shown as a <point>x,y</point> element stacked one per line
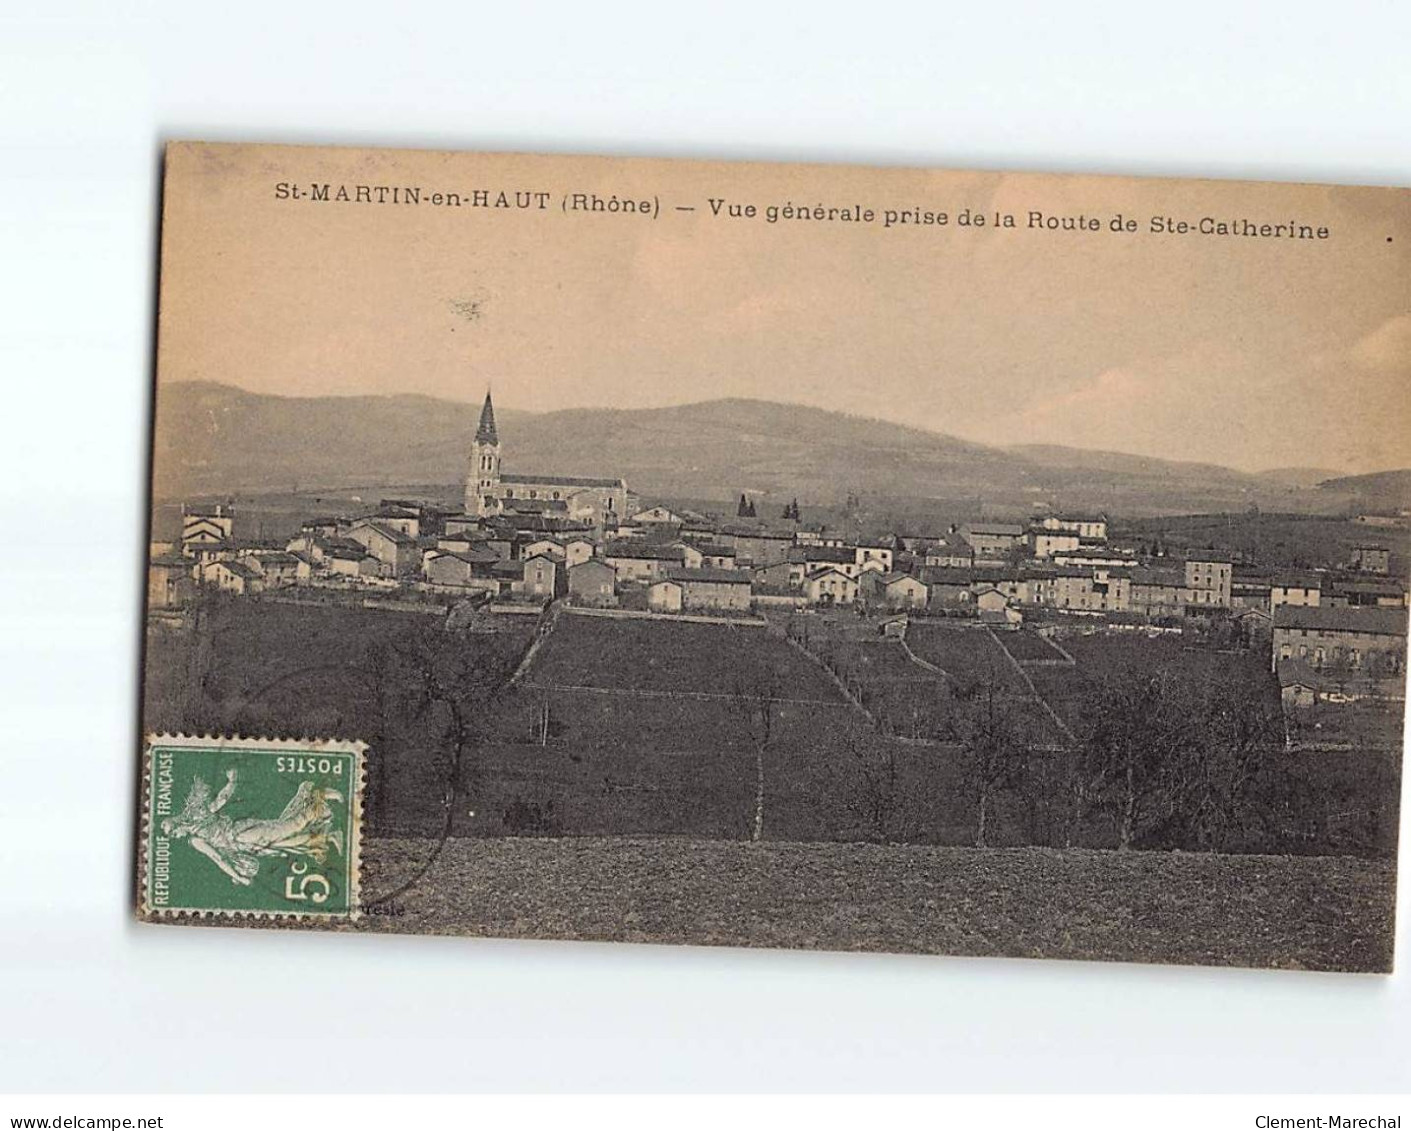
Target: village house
<point>459,567</point>
<point>990,600</point>
<point>1301,685</point>
<point>1158,592</point>
<point>1248,591</point>
<point>1370,592</point>
<point>320,527</point>
<point>504,546</point>
<point>664,596</point>
<point>903,591</point>
<point>642,561</point>
<point>576,551</point>
<point>948,588</point>
<point>230,577</point>
<point>398,552</point>
<point>307,567</point>
<point>818,535</point>
<point>948,552</point>
<point>697,528</point>
<point>1090,555</point>
<point>453,524</point>
<point>657,516</point>
<point>830,586</point>
<point>717,555</point>
<point>1065,589</point>
<point>1087,527</point>
<point>691,555</point>
<point>1256,623</point>
<point>776,578</point>
<point>204,527</point>
<point>992,541</point>
<point>550,546</point>
<point>543,578</point>
<point>1048,543</point>
<point>593,584</point>
<point>916,543</point>
<point>1296,589</point>
<point>1113,590</point>
<point>1016,584</point>
<point>277,568</point>
<point>1321,635</point>
<point>475,547</point>
<point>447,567</point>
<point>169,581</point>
<point>814,558</point>
<point>757,546</point>
<point>1209,580</point>
<point>347,559</point>
<point>713,588</point>
<point>508,576</point>
<point>873,555</point>
<point>401,517</point>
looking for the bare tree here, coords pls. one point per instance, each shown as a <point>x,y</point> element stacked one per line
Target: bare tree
<point>1181,762</point>
<point>873,793</point>
<point>757,694</point>
<point>1225,785</point>
<point>1124,743</point>
<point>998,752</point>
<point>451,685</point>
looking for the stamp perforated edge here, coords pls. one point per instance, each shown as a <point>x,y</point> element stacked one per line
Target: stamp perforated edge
<point>354,747</point>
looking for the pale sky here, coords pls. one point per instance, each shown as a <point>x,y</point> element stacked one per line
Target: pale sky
<point>1255,353</point>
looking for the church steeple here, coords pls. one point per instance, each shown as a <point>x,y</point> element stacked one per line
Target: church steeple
<point>485,434</point>
<point>482,480</point>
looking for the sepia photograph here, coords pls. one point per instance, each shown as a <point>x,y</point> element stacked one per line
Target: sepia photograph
<point>777,555</point>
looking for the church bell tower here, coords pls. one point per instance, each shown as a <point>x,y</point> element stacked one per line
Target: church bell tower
<point>482,480</point>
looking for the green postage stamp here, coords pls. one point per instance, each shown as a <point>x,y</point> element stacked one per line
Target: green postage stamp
<point>250,827</point>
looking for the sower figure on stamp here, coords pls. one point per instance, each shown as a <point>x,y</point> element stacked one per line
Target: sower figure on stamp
<point>235,846</point>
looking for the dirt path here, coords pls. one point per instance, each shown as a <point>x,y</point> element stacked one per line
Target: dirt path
<point>832,675</point>
<point>919,662</point>
<point>1034,691</point>
<point>542,631</point>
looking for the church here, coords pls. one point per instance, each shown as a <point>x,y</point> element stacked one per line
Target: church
<point>491,491</point>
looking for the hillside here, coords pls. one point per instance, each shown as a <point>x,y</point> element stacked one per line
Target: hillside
<point>1058,457</point>
<point>215,440</point>
<point>212,438</point>
<point>1390,488</point>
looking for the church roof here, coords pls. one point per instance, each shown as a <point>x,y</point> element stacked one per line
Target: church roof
<point>549,481</point>
<point>486,434</point>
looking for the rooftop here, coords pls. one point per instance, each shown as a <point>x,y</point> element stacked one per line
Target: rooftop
<point>1323,618</point>
<point>715,576</point>
<point>561,481</point>
<point>648,551</point>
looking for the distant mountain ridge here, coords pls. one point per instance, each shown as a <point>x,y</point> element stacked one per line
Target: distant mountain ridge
<point>215,439</point>
<point>1387,487</point>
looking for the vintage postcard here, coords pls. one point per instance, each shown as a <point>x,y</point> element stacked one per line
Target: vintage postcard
<point>778,555</point>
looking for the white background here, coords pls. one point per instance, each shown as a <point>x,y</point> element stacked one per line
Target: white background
<point>87,93</point>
